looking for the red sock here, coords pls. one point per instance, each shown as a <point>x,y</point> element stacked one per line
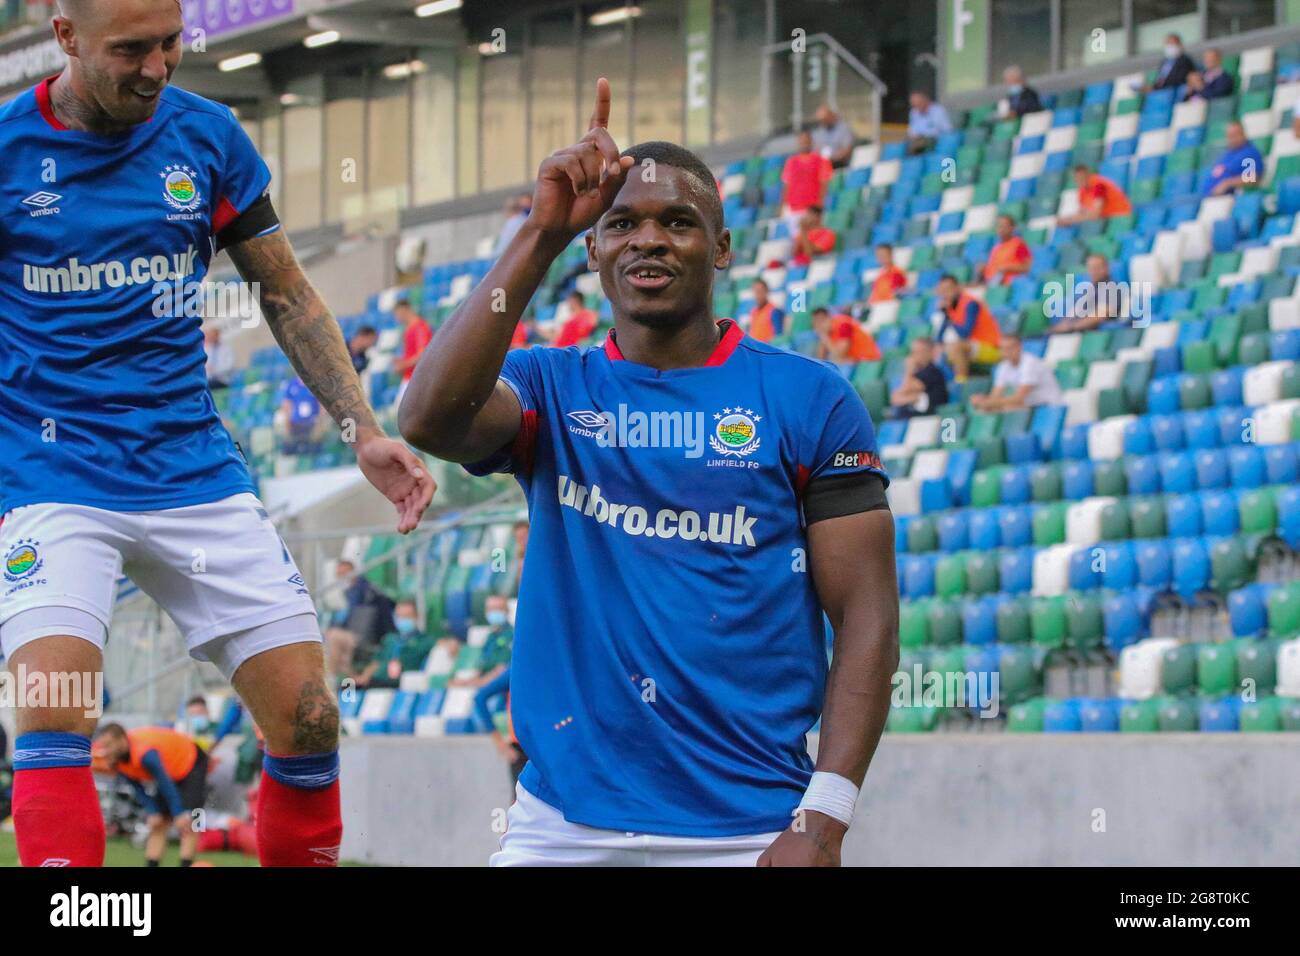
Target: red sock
<point>56,817</point>
<point>297,827</point>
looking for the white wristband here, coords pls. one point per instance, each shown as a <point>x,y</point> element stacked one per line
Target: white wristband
<point>831,794</point>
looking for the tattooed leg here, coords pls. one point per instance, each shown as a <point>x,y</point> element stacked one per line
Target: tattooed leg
<point>284,690</point>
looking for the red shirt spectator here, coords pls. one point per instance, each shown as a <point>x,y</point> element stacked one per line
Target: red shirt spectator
<point>887,284</point>
<point>818,240</point>
<point>577,327</point>
<point>805,176</point>
<point>415,339</point>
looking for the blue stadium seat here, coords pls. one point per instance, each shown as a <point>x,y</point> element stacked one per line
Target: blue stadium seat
<point>953,531</point>
<point>1083,577</point>
<point>1015,486</point>
<point>401,716</point>
<point>1177,471</point>
<point>1138,439</point>
<point>1155,566</point>
<point>1281,464</point>
<point>1074,441</point>
<point>1062,716</point>
<point>1211,469</point>
<point>1288,512</point>
<point>1076,480</point>
<point>1247,466</point>
<point>1016,570</point>
<point>918,576</point>
<point>1142,475</point>
<point>1121,621</point>
<point>1121,570</point>
<point>1191,566</point>
<point>1248,610</point>
<point>1219,716</point>
<point>1183,515</point>
<point>1022,449</point>
<point>1167,432</point>
<point>1099,715</point>
<point>1219,512</point>
<point>1015,526</point>
<point>979,619</point>
<point>1162,394</point>
<point>982,529</point>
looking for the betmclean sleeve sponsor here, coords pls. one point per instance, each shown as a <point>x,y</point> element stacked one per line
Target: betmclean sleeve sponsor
<point>844,440</point>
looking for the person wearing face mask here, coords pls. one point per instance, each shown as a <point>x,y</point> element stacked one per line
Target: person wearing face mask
<point>405,649</point>
<point>1021,98</point>
<point>495,655</point>
<point>1175,67</point>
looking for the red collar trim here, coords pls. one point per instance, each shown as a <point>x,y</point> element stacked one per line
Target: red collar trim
<point>732,333</point>
<point>43,101</point>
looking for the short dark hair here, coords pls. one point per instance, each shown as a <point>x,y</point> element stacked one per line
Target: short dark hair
<point>1008,217</point>
<point>759,280</point>
<point>664,153</point>
<point>885,245</point>
<point>197,699</point>
<point>817,209</point>
<point>111,729</point>
<point>948,276</point>
<point>1082,167</point>
<point>821,310</point>
<point>367,330</point>
<point>402,303</point>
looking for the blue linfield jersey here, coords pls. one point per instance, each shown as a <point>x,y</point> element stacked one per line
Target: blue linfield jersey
<point>104,399</point>
<point>670,653</point>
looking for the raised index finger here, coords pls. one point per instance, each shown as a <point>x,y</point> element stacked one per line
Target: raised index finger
<point>600,113</point>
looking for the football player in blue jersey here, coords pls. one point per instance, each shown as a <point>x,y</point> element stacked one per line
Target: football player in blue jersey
<point>700,503</point>
<point>117,188</point>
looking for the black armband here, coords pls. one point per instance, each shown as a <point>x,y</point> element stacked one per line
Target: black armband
<point>253,221</point>
<point>838,495</point>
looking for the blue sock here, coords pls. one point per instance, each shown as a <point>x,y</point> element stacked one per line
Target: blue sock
<point>42,749</point>
<point>306,772</point>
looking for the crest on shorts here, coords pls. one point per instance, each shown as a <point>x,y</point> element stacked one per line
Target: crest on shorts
<point>23,560</point>
<point>736,432</point>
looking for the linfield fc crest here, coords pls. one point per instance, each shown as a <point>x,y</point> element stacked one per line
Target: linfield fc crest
<point>23,560</point>
<point>180,188</point>
<point>735,432</point>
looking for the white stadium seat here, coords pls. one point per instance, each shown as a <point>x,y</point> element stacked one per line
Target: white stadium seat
<point>1106,438</point>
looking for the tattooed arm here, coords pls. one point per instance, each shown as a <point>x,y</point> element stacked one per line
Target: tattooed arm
<point>309,335</point>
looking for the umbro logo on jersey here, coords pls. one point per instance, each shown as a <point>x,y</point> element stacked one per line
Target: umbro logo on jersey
<point>42,203</point>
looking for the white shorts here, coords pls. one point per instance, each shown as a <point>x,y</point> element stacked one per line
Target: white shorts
<point>218,570</point>
<point>538,835</point>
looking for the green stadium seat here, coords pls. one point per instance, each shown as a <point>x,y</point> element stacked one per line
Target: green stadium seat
<point>1108,478</point>
<point>950,576</point>
<point>1049,524</point>
<point>922,535</point>
<point>1262,716</point>
<point>1019,676</point>
<point>943,620</point>
<point>1013,622</point>
<point>1216,669</point>
<point>1289,711</point>
<point>1256,665</point>
<point>1139,717</point>
<point>913,624</point>
<point>1115,521</point>
<point>1027,717</point>
<point>981,572</point>
<point>1284,611</point>
<point>1083,622</point>
<point>1047,622</point>
<point>1148,517</point>
<point>1257,510</point>
<point>1178,669</point>
<point>1230,567</point>
<point>1178,715</point>
<point>1045,482</point>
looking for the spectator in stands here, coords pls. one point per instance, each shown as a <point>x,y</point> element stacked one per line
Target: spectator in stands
<point>967,329</point>
<point>525,334</point>
<point>197,722</point>
<point>517,210</point>
<point>1240,166</point>
<point>1099,197</point>
<point>494,657</point>
<point>804,176</point>
<point>1212,82</point>
<point>765,320</point>
<point>924,387</point>
<point>507,745</point>
<point>832,137</point>
<point>1021,380</point>
<point>221,359</point>
<point>415,339</point>
<point>174,764</point>
<point>890,279</point>
<point>1175,67</point>
<point>300,414</point>
<point>1021,99</point>
<point>814,238</point>
<point>926,122</point>
<point>361,624</point>
<point>1091,299</point>
<point>520,533</point>
<point>1010,257</point>
<point>405,649</point>
<point>842,340</point>
<point>360,345</point>
<point>581,322</point>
